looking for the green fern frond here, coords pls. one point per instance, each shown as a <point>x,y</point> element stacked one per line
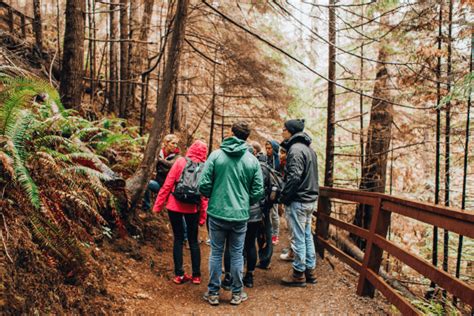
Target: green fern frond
<point>17,134</point>
<point>97,131</point>
<point>52,141</point>
<point>11,107</point>
<point>18,90</point>
<point>80,170</point>
<point>109,141</point>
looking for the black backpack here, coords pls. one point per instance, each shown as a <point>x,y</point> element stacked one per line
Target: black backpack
<point>187,187</point>
<point>276,183</point>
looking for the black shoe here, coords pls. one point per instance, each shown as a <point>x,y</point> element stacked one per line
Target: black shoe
<point>227,282</point>
<point>263,266</point>
<point>248,280</point>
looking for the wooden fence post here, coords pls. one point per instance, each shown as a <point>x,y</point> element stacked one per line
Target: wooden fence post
<point>23,26</point>
<point>11,21</point>
<point>322,226</point>
<point>373,254</point>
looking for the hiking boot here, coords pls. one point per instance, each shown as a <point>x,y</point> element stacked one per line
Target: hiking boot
<point>263,266</point>
<point>227,282</point>
<point>212,298</point>
<point>289,256</point>
<point>248,280</point>
<point>180,279</point>
<point>238,298</point>
<point>295,278</point>
<point>196,280</point>
<point>310,275</point>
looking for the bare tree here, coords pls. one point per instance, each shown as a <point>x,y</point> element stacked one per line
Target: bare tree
<point>124,71</point>
<point>113,68</point>
<point>378,139</point>
<point>37,28</point>
<point>73,55</point>
<point>330,132</point>
<point>137,183</point>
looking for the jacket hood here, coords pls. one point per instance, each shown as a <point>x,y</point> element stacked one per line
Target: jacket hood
<point>275,146</point>
<point>235,147</point>
<point>197,151</point>
<point>300,137</point>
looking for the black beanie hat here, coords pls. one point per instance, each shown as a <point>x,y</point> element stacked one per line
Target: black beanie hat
<point>294,126</point>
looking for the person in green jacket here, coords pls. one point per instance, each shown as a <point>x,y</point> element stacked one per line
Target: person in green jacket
<point>232,179</point>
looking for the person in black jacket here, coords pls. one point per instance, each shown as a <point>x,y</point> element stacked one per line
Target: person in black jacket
<point>300,194</point>
<point>168,154</point>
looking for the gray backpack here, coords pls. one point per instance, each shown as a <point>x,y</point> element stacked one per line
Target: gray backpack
<point>187,187</point>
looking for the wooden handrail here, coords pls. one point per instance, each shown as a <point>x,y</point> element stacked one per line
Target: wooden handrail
<point>449,218</point>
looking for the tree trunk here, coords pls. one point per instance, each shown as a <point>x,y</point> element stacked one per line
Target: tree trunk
<point>139,53</point>
<point>73,55</point>
<point>124,71</point>
<point>330,133</point>
<point>361,97</point>
<point>113,75</point>
<point>137,183</point>
<point>37,25</point>
<point>447,156</point>
<point>213,102</point>
<point>378,141</point>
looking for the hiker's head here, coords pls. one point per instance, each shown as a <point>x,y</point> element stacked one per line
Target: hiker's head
<point>241,130</point>
<point>282,154</point>
<point>269,148</point>
<point>170,143</point>
<point>256,148</point>
<point>292,127</point>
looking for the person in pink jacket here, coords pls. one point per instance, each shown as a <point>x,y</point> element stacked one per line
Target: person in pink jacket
<point>193,214</point>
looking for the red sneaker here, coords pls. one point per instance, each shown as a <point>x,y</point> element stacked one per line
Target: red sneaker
<point>180,279</point>
<point>196,280</point>
<point>275,240</point>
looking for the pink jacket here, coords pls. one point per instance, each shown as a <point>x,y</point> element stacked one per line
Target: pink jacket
<point>197,153</point>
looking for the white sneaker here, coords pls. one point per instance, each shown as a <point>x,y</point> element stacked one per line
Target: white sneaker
<point>289,256</point>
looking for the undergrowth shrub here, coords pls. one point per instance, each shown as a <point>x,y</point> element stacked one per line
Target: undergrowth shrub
<point>54,168</point>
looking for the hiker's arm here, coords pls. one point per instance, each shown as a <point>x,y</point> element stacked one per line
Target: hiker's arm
<point>165,190</point>
<point>256,189</point>
<point>206,181</point>
<point>294,174</point>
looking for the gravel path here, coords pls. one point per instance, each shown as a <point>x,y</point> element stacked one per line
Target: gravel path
<point>144,287</point>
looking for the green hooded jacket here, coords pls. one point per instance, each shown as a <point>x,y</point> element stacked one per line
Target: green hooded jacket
<point>232,179</point>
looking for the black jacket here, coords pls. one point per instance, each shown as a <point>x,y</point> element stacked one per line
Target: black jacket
<point>163,166</point>
<point>301,171</point>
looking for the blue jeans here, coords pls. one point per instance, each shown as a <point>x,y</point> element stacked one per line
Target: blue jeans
<point>154,187</point>
<point>219,231</point>
<point>299,218</point>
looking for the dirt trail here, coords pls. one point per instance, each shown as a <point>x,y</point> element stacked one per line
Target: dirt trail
<point>144,287</point>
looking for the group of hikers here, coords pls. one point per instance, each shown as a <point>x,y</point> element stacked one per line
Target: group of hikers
<point>239,192</point>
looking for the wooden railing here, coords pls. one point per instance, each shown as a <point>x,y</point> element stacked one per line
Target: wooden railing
<point>9,15</point>
<point>460,222</point>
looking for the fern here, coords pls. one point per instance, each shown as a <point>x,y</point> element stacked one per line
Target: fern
<point>17,133</point>
<point>81,170</point>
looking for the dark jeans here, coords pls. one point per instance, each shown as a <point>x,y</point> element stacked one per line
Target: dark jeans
<point>220,230</point>
<point>250,250</point>
<point>264,240</point>
<point>192,224</point>
<point>154,186</point>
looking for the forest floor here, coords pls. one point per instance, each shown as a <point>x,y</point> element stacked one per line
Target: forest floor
<point>141,284</point>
